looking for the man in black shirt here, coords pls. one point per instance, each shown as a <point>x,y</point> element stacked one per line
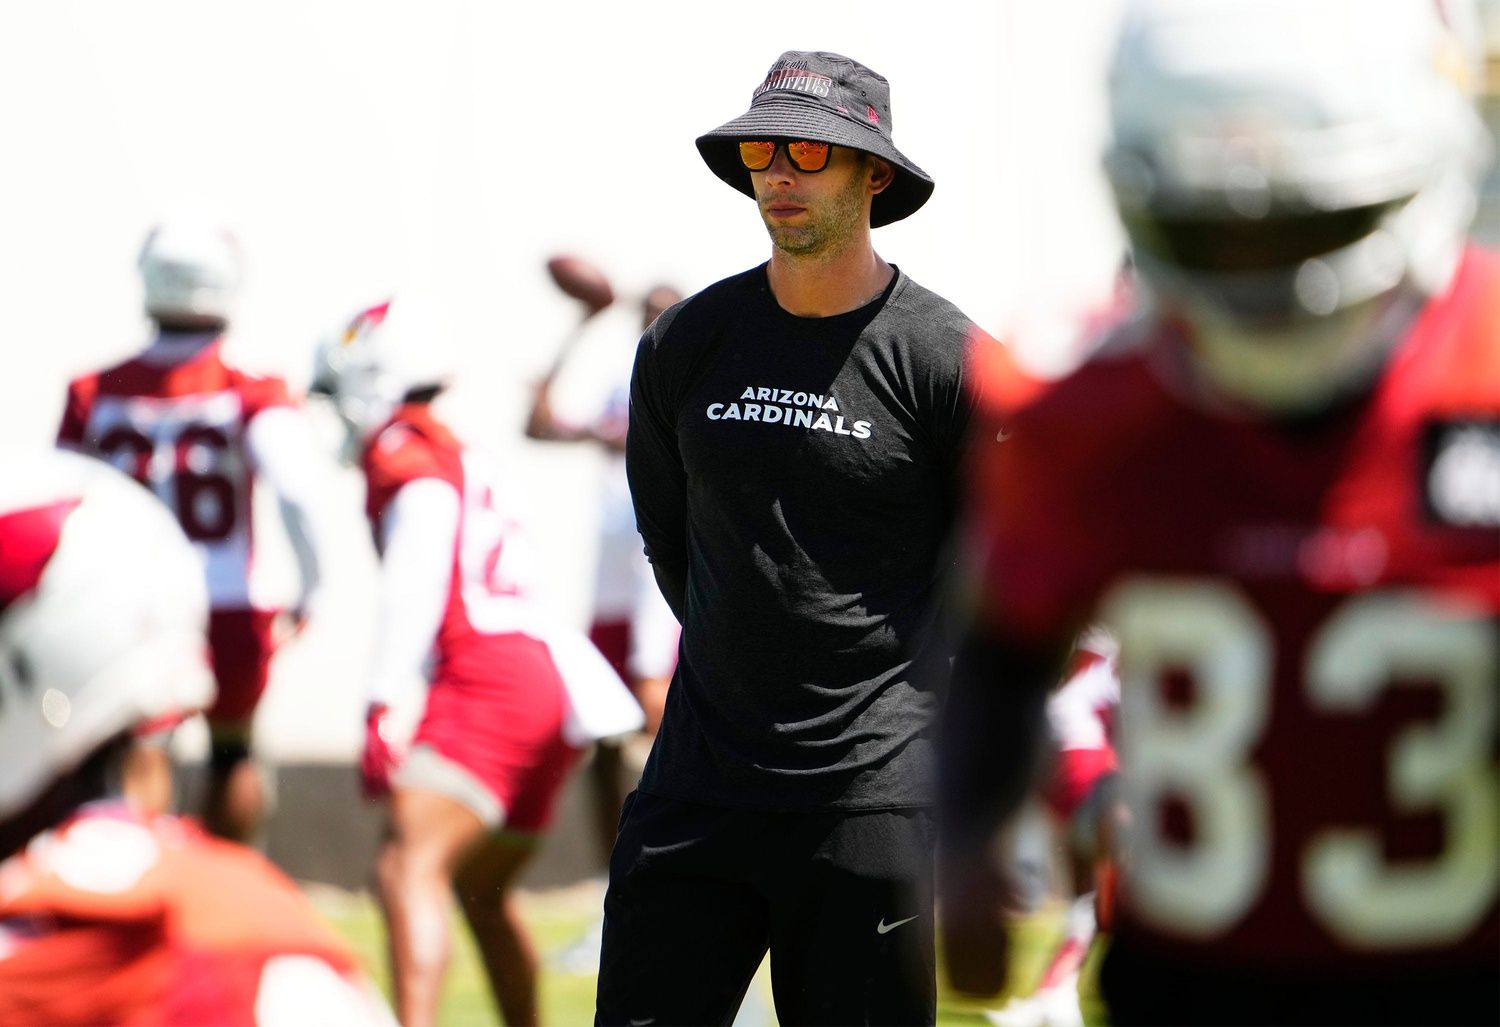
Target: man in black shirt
<point>794,436</point>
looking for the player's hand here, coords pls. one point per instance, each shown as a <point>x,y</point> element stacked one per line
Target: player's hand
<point>290,623</point>
<point>977,907</point>
<point>381,755</point>
<point>293,621</point>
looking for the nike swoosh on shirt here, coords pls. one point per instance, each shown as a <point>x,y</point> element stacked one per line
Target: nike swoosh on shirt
<point>884,928</point>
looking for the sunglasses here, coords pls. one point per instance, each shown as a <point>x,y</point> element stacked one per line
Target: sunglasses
<point>805,156</point>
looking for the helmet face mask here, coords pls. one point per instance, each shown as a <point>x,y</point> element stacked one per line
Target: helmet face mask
<point>1208,245</point>
<point>105,632</point>
<point>1284,170</point>
<point>1273,272</point>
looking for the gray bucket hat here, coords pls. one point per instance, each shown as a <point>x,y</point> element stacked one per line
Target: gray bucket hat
<point>827,98</point>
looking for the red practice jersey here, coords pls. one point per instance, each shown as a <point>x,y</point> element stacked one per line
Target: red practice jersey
<point>1309,627</point>
<point>180,429</point>
<point>492,560</point>
<point>113,919</point>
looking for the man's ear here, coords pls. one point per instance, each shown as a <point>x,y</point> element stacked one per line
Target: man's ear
<point>881,174</point>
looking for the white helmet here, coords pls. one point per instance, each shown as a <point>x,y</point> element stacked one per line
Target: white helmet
<point>103,616</point>
<point>191,273</point>
<point>1294,176</point>
<point>385,353</point>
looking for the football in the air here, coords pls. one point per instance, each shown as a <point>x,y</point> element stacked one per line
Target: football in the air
<point>581,280</point>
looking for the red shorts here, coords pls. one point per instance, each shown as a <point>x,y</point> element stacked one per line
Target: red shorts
<point>240,651</point>
<point>612,638</point>
<point>1074,776</point>
<point>505,731</point>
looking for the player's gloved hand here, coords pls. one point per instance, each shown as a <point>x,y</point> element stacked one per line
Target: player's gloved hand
<point>381,755</point>
<point>977,906</point>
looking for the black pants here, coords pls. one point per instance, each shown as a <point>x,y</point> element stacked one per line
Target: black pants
<point>698,893</point>
<point>1142,987</point>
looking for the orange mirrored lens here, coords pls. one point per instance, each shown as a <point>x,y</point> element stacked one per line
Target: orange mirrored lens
<point>804,155</point>
<point>757,156</point>
<point>808,156</point>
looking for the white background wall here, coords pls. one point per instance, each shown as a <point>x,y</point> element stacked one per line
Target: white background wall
<point>354,145</point>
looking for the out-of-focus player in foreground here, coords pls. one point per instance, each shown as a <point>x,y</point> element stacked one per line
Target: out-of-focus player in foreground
<point>1281,490</point>
<point>205,436</point>
<point>514,697</point>
<point>109,914</point>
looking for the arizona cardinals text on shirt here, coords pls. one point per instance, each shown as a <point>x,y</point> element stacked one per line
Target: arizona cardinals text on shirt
<point>793,409</point>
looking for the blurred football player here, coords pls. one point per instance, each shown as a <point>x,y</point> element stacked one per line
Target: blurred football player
<point>628,611</point>
<point>514,697</point>
<point>631,623</point>
<point>109,914</point>
<point>1280,489</point>
<point>205,437</point>
<point>1080,792</point>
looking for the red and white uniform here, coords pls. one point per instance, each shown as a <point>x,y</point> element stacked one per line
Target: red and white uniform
<point>204,437</point>
<point>114,919</point>
<point>1080,721</point>
<point>1307,618</point>
<point>513,693</point>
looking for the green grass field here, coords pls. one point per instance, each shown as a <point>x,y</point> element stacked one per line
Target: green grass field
<point>558,919</point>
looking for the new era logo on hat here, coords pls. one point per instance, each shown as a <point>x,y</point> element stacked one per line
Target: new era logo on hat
<point>828,98</point>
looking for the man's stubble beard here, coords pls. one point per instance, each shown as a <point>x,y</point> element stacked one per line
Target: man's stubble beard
<point>826,232</point>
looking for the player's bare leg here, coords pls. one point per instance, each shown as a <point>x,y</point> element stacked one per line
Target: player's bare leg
<point>235,806</point>
<point>606,772</point>
<point>612,771</point>
<point>616,765</point>
<point>237,802</point>
<point>651,693</point>
<point>146,776</point>
<point>428,836</point>
<point>483,885</point>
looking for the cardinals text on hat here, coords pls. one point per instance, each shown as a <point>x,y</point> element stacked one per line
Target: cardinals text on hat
<point>796,80</point>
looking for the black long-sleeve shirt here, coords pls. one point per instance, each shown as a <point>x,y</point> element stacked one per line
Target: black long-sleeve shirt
<point>794,481</point>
